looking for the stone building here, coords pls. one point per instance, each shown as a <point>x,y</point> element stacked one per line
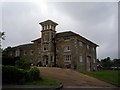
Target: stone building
<point>65,49</point>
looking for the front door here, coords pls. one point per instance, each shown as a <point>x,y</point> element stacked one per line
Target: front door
<point>88,66</point>
<point>45,60</point>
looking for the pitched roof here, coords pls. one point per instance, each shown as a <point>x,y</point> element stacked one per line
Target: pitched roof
<point>37,40</point>
<point>23,45</point>
<point>65,34</point>
<point>48,22</point>
<point>69,34</point>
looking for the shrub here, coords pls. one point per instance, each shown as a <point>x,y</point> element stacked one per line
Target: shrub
<point>23,63</point>
<point>9,60</point>
<point>12,75</point>
<point>33,74</point>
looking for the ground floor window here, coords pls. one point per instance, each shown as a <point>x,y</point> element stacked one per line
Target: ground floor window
<point>67,58</point>
<point>81,58</point>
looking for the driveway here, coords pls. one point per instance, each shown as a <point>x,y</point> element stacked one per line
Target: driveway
<point>72,78</point>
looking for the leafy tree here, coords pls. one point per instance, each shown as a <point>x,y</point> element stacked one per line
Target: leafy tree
<point>106,62</point>
<point>23,63</point>
<point>116,62</point>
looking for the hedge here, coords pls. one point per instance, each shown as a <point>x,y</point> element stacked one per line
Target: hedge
<point>12,75</point>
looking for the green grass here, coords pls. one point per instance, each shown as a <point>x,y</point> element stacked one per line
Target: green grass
<point>110,76</point>
<point>44,81</point>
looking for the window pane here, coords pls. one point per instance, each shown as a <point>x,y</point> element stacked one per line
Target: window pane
<point>81,58</point>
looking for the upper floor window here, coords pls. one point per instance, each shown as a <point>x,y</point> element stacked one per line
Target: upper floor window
<point>67,48</point>
<point>66,38</point>
<point>52,35</point>
<point>88,46</point>
<point>24,52</point>
<point>17,52</point>
<point>45,47</point>
<point>67,58</point>
<point>81,58</point>
<point>31,52</point>
<point>81,43</point>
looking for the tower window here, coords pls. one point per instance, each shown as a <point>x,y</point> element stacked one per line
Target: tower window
<point>31,52</point>
<point>45,47</point>
<point>67,48</point>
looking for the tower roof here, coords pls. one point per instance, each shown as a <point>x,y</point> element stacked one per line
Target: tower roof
<point>48,22</point>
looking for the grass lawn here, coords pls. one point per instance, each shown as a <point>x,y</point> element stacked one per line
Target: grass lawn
<point>110,76</point>
<point>45,81</point>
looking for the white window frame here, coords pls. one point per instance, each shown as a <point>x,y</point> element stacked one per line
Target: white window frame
<point>67,49</point>
<point>88,46</point>
<point>81,58</point>
<point>17,52</point>
<point>67,58</point>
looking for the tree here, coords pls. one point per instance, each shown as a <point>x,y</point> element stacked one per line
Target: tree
<point>2,35</point>
<point>106,62</point>
<point>23,63</point>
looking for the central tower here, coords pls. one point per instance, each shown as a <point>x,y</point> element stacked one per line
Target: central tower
<point>47,44</point>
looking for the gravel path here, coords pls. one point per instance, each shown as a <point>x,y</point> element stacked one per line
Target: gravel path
<point>72,78</point>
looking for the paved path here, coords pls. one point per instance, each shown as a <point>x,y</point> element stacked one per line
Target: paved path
<point>72,78</point>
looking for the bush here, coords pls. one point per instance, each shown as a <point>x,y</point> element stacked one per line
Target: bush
<point>23,63</point>
<point>33,74</point>
<point>12,75</point>
<point>9,60</point>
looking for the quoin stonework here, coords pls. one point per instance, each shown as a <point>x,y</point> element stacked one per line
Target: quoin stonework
<point>65,49</point>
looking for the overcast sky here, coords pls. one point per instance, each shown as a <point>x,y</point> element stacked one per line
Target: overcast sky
<point>96,21</point>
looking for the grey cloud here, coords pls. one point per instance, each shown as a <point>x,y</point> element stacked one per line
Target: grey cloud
<point>95,21</point>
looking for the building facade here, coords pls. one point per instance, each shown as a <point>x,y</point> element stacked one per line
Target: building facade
<point>65,49</point>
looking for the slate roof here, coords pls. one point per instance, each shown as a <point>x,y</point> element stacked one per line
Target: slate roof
<point>37,40</point>
<point>66,34</point>
<point>48,22</point>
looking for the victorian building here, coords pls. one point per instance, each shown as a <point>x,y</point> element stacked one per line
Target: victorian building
<point>65,49</point>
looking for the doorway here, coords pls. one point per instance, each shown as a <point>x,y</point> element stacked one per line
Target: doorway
<point>88,63</point>
<point>45,60</point>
